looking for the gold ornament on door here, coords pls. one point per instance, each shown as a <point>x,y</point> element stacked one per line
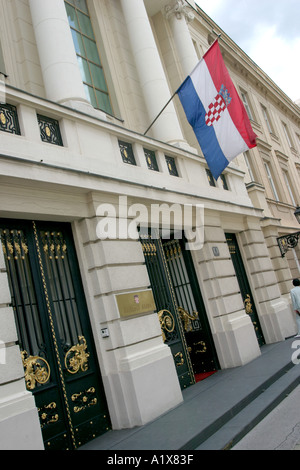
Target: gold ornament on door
<point>248,305</point>
<point>37,370</point>
<point>76,358</point>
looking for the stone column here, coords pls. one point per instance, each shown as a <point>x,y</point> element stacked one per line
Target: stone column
<point>179,15</point>
<point>151,74</point>
<point>62,78</point>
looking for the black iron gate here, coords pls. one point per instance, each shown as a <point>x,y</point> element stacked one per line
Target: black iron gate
<point>244,285</point>
<point>54,332</point>
<point>180,307</point>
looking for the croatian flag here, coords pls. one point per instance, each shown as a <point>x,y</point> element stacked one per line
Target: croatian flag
<point>215,111</point>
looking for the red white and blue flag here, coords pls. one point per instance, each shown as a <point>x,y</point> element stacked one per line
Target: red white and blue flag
<point>215,111</point>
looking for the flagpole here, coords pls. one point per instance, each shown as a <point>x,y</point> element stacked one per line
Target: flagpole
<point>219,35</point>
<point>160,112</point>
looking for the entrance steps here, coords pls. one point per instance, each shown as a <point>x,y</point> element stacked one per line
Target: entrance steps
<point>244,416</point>
<point>218,411</point>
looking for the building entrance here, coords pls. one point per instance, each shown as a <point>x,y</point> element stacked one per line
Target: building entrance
<point>244,285</point>
<point>180,308</point>
<point>55,338</point>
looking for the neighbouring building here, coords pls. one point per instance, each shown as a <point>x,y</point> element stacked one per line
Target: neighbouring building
<point>108,307</point>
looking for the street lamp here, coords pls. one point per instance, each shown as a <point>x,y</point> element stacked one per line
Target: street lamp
<point>291,240</point>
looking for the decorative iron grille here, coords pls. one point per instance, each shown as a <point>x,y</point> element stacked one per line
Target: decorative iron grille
<point>127,153</point>
<point>224,182</point>
<point>151,160</point>
<point>172,166</point>
<point>211,180</point>
<point>49,130</point>
<point>9,121</point>
<point>288,242</point>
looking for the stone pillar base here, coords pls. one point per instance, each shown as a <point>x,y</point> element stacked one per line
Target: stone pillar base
<point>143,389</point>
<point>237,343</point>
<point>19,422</point>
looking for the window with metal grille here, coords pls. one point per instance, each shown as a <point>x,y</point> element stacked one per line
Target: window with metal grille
<point>211,179</point>
<point>49,130</point>
<point>90,65</point>
<point>151,160</point>
<point>9,121</point>
<point>224,182</point>
<point>127,153</point>
<point>171,166</point>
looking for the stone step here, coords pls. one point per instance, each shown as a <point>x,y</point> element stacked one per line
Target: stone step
<point>232,431</point>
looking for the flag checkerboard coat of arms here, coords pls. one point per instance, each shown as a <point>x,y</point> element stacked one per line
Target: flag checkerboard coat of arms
<point>217,107</point>
<point>218,118</point>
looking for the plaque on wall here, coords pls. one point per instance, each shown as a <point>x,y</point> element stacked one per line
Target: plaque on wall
<point>135,303</point>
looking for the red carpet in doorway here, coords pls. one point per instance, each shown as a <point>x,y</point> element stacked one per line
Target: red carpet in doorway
<point>203,375</point>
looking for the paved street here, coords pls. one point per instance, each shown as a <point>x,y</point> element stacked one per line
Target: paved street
<point>280,430</point>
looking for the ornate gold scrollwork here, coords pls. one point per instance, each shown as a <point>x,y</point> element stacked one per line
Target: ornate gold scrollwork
<point>76,358</point>
<point>248,305</point>
<point>187,317</point>
<point>179,361</point>
<point>37,370</point>
<point>204,348</point>
<point>167,322</point>
<point>3,118</point>
<point>47,416</point>
<point>83,399</point>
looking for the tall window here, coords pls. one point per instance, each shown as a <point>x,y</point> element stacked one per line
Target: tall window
<point>91,68</point>
<point>247,160</point>
<point>298,138</point>
<point>267,119</point>
<point>247,105</point>
<point>287,135</point>
<point>289,187</point>
<point>271,181</point>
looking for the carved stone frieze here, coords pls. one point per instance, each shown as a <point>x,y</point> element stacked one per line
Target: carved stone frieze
<point>180,9</point>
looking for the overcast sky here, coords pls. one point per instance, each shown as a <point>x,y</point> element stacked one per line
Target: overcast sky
<point>268,31</point>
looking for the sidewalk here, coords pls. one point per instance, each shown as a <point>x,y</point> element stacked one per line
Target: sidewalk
<point>217,412</point>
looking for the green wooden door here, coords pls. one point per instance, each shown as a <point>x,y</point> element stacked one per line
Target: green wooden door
<point>180,307</point>
<point>244,285</point>
<point>54,332</point>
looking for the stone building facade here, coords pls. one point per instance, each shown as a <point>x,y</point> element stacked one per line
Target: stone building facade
<point>103,322</point>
